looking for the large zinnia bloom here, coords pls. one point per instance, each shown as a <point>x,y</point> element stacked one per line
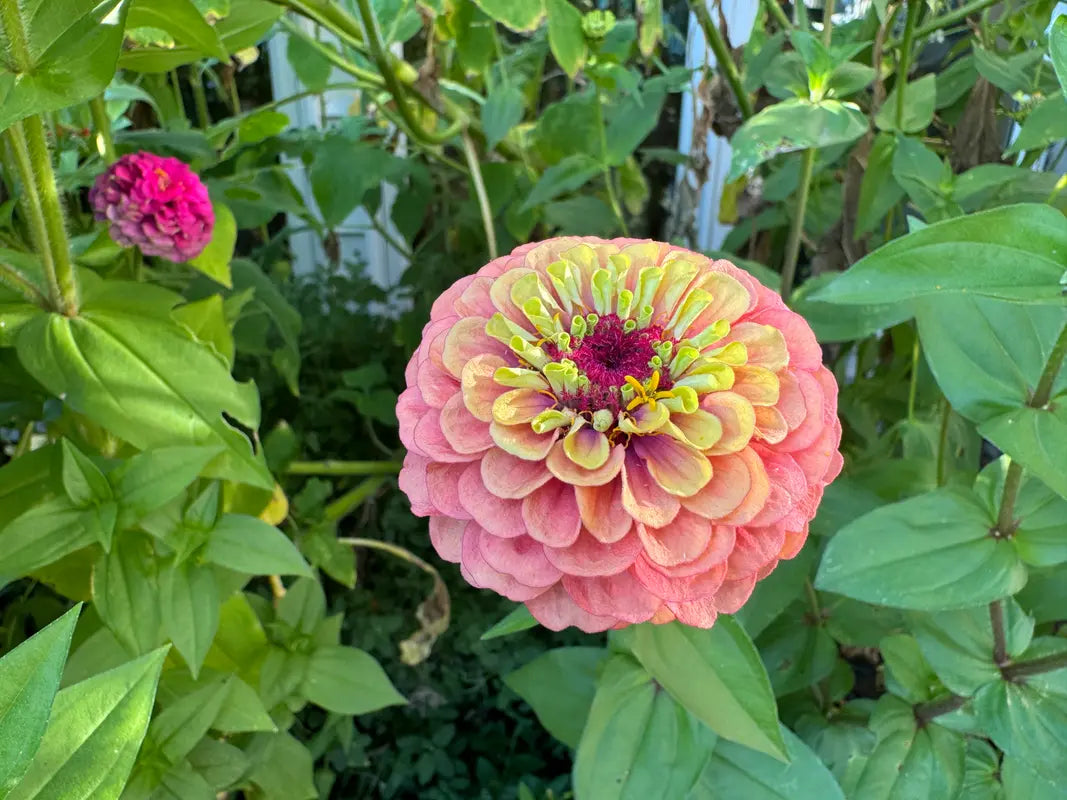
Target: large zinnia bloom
<point>156,204</point>
<point>617,431</point>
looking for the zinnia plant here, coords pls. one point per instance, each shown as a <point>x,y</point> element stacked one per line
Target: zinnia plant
<point>156,204</point>
<point>617,431</point>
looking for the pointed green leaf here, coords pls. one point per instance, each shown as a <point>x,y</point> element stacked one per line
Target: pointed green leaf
<point>242,711</point>
<point>152,479</point>
<point>920,96</point>
<point>248,544</point>
<point>177,729</point>
<point>182,20</point>
<point>1057,48</point>
<point>282,767</point>
<point>83,481</point>
<point>214,261</point>
<point>29,680</point>
<point>559,685</point>
<point>44,534</point>
<point>565,37</point>
<point>520,619</point>
<point>189,603</point>
<point>1036,438</point>
<point>348,681</point>
<point>125,593</point>
<point>519,15</point>
<point>94,735</point>
<point>503,110</point>
<point>303,607</point>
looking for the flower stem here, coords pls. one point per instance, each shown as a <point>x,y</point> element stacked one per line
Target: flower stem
<point>827,21</point>
<point>343,468</point>
<point>779,15</point>
<point>196,84</point>
<point>723,60</point>
<point>951,18</point>
<point>475,168</point>
<point>17,282</point>
<point>332,55</point>
<point>352,499</point>
<point>613,197</point>
<point>1000,644</point>
<point>913,385</point>
<point>105,144</point>
<point>792,248</point>
<point>904,67</point>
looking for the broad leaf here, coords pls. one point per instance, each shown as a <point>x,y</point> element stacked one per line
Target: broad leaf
<point>94,735</point>
<point>44,534</point>
<point>282,767</point>
<point>125,365</point>
<point>907,673</point>
<point>878,191</point>
<point>793,125</point>
<point>632,731</point>
<point>503,110</point>
<point>920,97</point>
<point>248,544</point>
<point>519,15</point>
<point>1045,124</point>
<point>215,259</point>
<point>565,37</point>
<point>125,593</point>
<point>736,772</point>
<point>152,479</point>
<point>242,711</point>
<point>930,552</point>
<point>559,685</point>
<point>348,681</point>
<point>72,50</point>
<point>1013,253</point>
<point>833,323</point>
<point>176,730</point>
<point>29,680</point>
<point>1036,438</point>
<point>1057,48</point>
<point>716,675</point>
<point>518,620</point>
<point>189,604</point>
<point>568,175</point>
<point>83,481</point>
<point>304,607</point>
<point>182,20</point>
<point>797,654</point>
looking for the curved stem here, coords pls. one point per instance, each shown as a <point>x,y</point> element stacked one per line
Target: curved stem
<point>343,468</point>
<point>479,190</point>
<point>331,55</point>
<point>904,67</point>
<point>779,15</point>
<point>105,144</point>
<point>913,385</point>
<point>723,60</point>
<point>792,249</point>
<point>951,18</point>
<point>17,282</point>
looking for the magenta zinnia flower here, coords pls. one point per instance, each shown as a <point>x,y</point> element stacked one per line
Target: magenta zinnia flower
<point>617,431</point>
<point>156,204</point>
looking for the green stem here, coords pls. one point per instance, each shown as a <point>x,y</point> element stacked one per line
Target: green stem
<point>1000,642</point>
<point>105,144</point>
<point>381,60</point>
<point>18,49</point>
<point>779,15</point>
<point>331,16</point>
<point>913,386</point>
<point>813,601</point>
<point>924,712</point>
<point>1013,672</point>
<point>949,19</point>
<point>176,90</point>
<point>475,168</point>
<point>353,499</point>
<point>331,55</point>
<point>196,84</point>
<point>792,248</point>
<point>904,67</point>
<point>17,282</point>
<point>1043,392</point>
<point>343,468</point>
<point>31,203</point>
<point>613,197</point>
<point>392,549</point>
<point>723,60</point>
<point>942,445</point>
<point>827,21</point>
<point>24,442</point>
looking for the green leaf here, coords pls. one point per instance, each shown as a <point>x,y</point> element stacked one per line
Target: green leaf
<point>286,319</point>
<point>83,481</point>
<point>919,99</point>
<point>1045,124</point>
<point>1012,74</point>
<point>565,37</point>
<point>182,20</point>
<point>568,175</point>
<point>959,644</point>
<point>1014,252</point>
<point>716,675</point>
<point>303,607</point>
<point>94,735</point>
<point>1027,719</point>
<point>282,768</point>
<point>651,32</point>
<point>215,259</point>
<point>72,50</point>
<point>910,762</point>
<point>1057,48</point>
<point>797,654</point>
<point>793,125</point>
<point>240,643</point>
<point>123,339</point>
<point>833,323</point>
<point>907,673</point>
<point>29,680</point>
<point>248,544</point>
<point>1022,780</point>
<point>919,172</point>
<point>311,66</point>
<point>559,685</point>
<point>243,711</point>
<point>206,320</point>
<point>631,122</point>
<point>842,745</point>
<point>44,534</point>
<point>987,355</point>
<point>1036,438</point>
<point>503,110</point>
<point>632,731</point>
<point>348,681</point>
<point>125,592</point>
<point>519,15</point>
<point>219,763</point>
<point>176,730</point>
<point>520,619</point>
<point>878,191</point>
<point>1039,515</point>
<point>981,772</point>
<point>152,479</point>
<point>736,772</point>
<point>774,593</point>
<point>849,78</point>
<point>189,604</point>
<point>931,552</point>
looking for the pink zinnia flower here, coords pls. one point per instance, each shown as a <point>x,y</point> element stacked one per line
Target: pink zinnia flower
<point>617,431</point>
<point>156,204</point>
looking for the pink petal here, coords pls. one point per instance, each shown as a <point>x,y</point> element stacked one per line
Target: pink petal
<point>771,426</point>
<point>498,517</point>
<point>679,469</point>
<point>815,461</point>
<point>412,482</point>
<point>556,610</point>
<point>551,514</point>
<point>443,305</point>
<point>479,389</point>
<point>733,594</point>
<point>464,433</point>
<point>436,387</point>
<point>512,478</point>
<point>753,549</point>
<point>521,440</point>
<point>643,497</point>
<point>588,558</point>
<point>678,589</point>
<point>442,484</point>
<point>737,417</point>
<point>730,483</point>
<point>520,557</point>
<point>765,345</point>
<point>758,492</point>
<point>410,409</point>
<point>804,350</point>
<point>788,486</point>
<point>446,535</point>
<point>809,429</point>
<point>466,340</point>
<point>681,541</point>
<point>477,571</point>
<point>475,301</point>
<point>602,511</point>
<point>794,543</point>
<point>432,441</point>
<point>696,613</point>
<point>567,471</point>
<point>621,596</point>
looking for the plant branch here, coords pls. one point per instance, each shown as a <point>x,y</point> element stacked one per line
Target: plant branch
<point>949,19</point>
<point>1000,643</point>
<point>913,384</point>
<point>17,282</point>
<point>1038,666</point>
<point>792,248</point>
<point>1043,392</point>
<point>343,468</point>
<point>724,61</point>
<point>105,144</point>
<point>352,499</point>
<point>475,168</point>
<point>827,21</point>
<point>331,55</point>
<point>779,15</point>
<point>904,66</point>
<point>196,84</point>
<point>924,712</point>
